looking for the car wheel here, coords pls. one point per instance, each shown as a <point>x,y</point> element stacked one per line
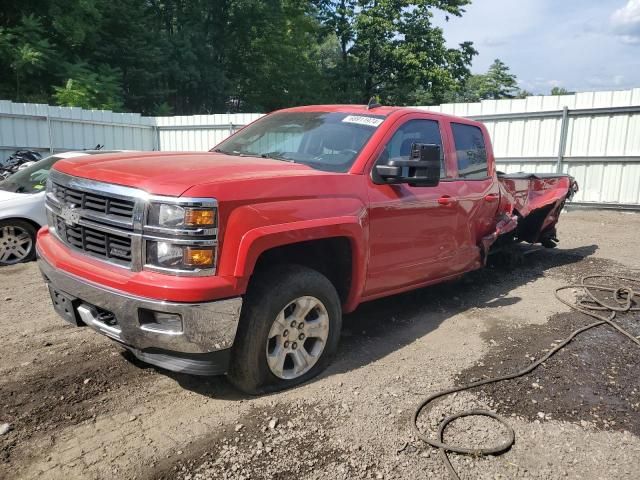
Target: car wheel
<point>289,330</point>
<point>17,242</point>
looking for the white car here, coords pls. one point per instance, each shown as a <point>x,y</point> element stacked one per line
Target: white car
<point>22,210</point>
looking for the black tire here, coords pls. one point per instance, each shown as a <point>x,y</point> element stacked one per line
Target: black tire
<point>23,226</point>
<point>268,294</point>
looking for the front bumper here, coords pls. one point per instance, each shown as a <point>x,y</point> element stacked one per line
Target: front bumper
<point>201,348</point>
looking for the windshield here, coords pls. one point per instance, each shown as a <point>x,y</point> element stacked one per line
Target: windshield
<point>323,140</point>
<point>31,179</point>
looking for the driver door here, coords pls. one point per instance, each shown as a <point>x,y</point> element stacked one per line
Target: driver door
<point>414,231</point>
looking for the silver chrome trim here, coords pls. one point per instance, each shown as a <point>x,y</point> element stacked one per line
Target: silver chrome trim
<point>53,204</point>
<point>135,229</point>
<point>198,272</point>
<point>85,222</point>
<point>183,201</point>
<point>183,241</point>
<point>196,232</point>
<point>88,316</point>
<point>117,263</point>
<point>207,326</point>
<point>94,186</point>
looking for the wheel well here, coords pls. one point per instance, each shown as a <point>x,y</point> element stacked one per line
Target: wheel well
<point>330,256</point>
<point>22,219</point>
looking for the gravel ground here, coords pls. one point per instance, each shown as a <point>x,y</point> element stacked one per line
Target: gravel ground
<point>77,407</point>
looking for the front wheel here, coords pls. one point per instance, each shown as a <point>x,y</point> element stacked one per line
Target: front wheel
<point>289,330</point>
<point>17,242</point>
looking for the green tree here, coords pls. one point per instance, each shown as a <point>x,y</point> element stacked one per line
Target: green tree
<point>474,89</point>
<point>26,53</point>
<point>274,55</point>
<point>201,56</point>
<point>498,83</point>
<point>127,40</point>
<point>187,60</point>
<point>391,48</point>
<point>501,83</point>
<point>88,89</point>
<point>561,91</point>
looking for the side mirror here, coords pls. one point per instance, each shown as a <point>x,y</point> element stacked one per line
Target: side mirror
<point>421,170</point>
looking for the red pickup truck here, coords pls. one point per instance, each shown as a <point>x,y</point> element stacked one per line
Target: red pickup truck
<point>243,260</point>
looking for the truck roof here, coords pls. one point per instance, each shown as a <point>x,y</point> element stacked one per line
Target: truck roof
<point>383,111</point>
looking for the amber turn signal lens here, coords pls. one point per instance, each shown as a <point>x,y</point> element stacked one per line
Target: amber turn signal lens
<point>198,257</point>
<point>197,217</point>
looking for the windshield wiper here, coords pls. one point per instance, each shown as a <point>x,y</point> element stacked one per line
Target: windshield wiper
<point>219,150</point>
<point>236,153</point>
<point>277,156</point>
<point>269,155</point>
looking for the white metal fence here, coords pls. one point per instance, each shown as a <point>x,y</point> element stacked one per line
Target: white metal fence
<point>54,129</point>
<point>594,136</point>
<point>199,132</point>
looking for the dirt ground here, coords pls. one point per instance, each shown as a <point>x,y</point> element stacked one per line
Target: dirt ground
<point>79,408</point>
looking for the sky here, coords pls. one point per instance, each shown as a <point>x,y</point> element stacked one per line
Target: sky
<point>580,45</point>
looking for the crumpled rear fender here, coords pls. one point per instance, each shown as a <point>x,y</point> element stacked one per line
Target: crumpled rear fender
<point>530,207</point>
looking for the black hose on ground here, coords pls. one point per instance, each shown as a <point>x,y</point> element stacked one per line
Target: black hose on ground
<point>624,299</point>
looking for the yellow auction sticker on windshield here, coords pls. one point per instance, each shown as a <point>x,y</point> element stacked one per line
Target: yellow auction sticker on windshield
<point>362,120</point>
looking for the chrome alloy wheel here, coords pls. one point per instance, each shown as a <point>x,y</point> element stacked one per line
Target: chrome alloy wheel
<point>15,244</point>
<point>297,338</point>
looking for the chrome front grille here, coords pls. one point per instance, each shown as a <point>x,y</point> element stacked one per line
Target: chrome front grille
<point>107,221</point>
<point>99,219</point>
<point>93,241</point>
<point>94,202</point>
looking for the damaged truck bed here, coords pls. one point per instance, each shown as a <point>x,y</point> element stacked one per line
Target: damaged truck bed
<point>529,210</point>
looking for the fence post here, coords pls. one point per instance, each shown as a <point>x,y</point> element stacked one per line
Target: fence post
<point>156,137</point>
<point>50,133</point>
<point>564,131</point>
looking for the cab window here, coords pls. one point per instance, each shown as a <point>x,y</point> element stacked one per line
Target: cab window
<point>471,151</point>
<point>413,131</point>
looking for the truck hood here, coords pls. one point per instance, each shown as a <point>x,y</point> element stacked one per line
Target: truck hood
<point>166,173</point>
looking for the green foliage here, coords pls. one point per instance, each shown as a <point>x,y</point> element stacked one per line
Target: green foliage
<point>500,82</point>
<point>391,48</point>
<point>524,94</point>
<point>202,56</point>
<point>100,89</point>
<point>497,83</point>
<point>276,58</point>
<point>162,110</point>
<point>561,91</point>
<point>26,52</point>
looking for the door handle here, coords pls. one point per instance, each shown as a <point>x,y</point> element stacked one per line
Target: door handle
<point>446,200</point>
<point>492,197</point>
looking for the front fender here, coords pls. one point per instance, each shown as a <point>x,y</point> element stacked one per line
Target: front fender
<point>30,208</point>
<point>251,231</point>
<point>259,240</point>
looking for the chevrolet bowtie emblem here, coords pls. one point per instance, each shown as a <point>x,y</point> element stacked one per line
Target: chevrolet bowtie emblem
<point>70,215</point>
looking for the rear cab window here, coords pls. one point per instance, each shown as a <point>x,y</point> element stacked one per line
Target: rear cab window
<point>413,131</point>
<point>471,151</point>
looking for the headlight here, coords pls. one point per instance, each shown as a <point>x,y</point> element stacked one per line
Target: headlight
<point>180,257</point>
<point>176,216</point>
<point>181,236</point>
